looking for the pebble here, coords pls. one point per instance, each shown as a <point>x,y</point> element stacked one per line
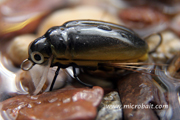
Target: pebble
<point>19,17</point>
<point>174,67</point>
<point>25,85</point>
<point>82,104</point>
<point>141,17</point>
<point>138,89</point>
<point>81,12</point>
<point>17,51</point>
<point>143,20</point>
<point>110,107</point>
<point>175,24</point>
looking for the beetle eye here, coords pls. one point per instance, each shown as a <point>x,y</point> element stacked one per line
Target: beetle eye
<point>37,57</point>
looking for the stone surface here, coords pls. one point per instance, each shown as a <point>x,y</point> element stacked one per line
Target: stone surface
<point>18,17</point>
<point>110,107</point>
<point>138,89</point>
<point>175,24</point>
<point>81,12</point>
<point>24,82</point>
<point>66,103</point>
<point>17,51</point>
<point>174,67</point>
<point>141,17</point>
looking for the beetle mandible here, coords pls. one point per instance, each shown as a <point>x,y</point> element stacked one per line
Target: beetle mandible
<point>82,43</point>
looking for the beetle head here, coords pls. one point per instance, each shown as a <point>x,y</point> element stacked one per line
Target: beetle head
<point>39,50</point>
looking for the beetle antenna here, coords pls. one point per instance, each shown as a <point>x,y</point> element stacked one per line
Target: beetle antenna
<point>160,42</point>
<point>55,76</point>
<point>77,78</point>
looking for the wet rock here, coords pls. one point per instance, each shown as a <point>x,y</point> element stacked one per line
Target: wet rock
<point>67,103</point>
<point>172,86</point>
<point>144,20</point>
<point>138,89</point>
<point>110,107</point>
<point>175,24</point>
<point>61,79</point>
<point>17,51</point>
<point>82,12</point>
<point>23,82</point>
<point>27,82</point>
<point>18,17</point>
<point>166,6</point>
<point>141,17</point>
<point>174,67</point>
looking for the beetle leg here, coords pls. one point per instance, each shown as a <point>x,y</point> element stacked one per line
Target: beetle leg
<point>54,79</point>
<point>76,77</point>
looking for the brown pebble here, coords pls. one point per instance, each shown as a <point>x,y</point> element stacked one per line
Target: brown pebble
<point>138,89</point>
<point>66,103</point>
<point>18,48</point>
<point>81,12</point>
<point>141,17</point>
<point>19,17</point>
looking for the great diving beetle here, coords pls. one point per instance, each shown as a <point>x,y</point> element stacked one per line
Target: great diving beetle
<point>82,43</point>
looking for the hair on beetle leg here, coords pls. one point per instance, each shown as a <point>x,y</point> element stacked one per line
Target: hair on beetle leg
<point>147,68</point>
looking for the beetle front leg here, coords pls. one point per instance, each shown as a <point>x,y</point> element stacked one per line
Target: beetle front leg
<point>76,77</point>
<point>54,79</point>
